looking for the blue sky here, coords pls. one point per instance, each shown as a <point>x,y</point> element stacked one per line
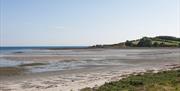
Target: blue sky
<point>85,22</point>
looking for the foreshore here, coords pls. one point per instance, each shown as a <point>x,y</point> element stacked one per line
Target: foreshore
<point>71,80</point>
<point>72,70</point>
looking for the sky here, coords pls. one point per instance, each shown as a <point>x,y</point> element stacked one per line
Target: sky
<point>85,22</point>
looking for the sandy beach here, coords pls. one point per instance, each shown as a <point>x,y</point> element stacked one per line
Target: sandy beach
<point>88,68</point>
<point>89,45</point>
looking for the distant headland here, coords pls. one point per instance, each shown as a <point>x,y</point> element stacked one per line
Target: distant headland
<point>144,42</point>
<point>158,41</point>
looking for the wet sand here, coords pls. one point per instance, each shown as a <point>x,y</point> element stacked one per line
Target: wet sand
<point>69,80</point>
<point>90,75</point>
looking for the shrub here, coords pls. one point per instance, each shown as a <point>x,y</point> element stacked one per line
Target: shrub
<point>145,42</point>
<point>136,82</point>
<point>156,44</point>
<point>129,43</point>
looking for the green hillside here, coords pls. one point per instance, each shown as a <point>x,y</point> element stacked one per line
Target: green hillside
<point>159,41</point>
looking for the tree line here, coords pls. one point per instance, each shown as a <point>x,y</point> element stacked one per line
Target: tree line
<point>148,42</point>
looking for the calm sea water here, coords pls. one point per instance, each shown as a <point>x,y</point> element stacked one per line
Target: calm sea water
<point>4,50</point>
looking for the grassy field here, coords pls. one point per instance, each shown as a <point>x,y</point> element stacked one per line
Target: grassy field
<point>162,81</point>
<point>159,41</point>
<point>166,42</point>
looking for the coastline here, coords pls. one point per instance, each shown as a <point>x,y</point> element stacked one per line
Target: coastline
<point>67,81</point>
<point>90,47</point>
<point>99,66</point>
<point>79,47</point>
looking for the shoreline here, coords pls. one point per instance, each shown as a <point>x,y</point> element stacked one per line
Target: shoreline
<point>83,47</point>
<point>66,82</point>
<point>98,67</point>
<point>87,48</point>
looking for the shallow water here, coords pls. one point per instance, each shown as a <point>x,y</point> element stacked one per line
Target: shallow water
<point>88,58</point>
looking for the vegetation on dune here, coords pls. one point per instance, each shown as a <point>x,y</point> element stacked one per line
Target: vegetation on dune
<point>162,81</point>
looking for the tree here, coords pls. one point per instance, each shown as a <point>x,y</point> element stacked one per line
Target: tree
<point>129,43</point>
<point>145,42</point>
<point>162,44</point>
<point>179,45</point>
<point>156,44</point>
